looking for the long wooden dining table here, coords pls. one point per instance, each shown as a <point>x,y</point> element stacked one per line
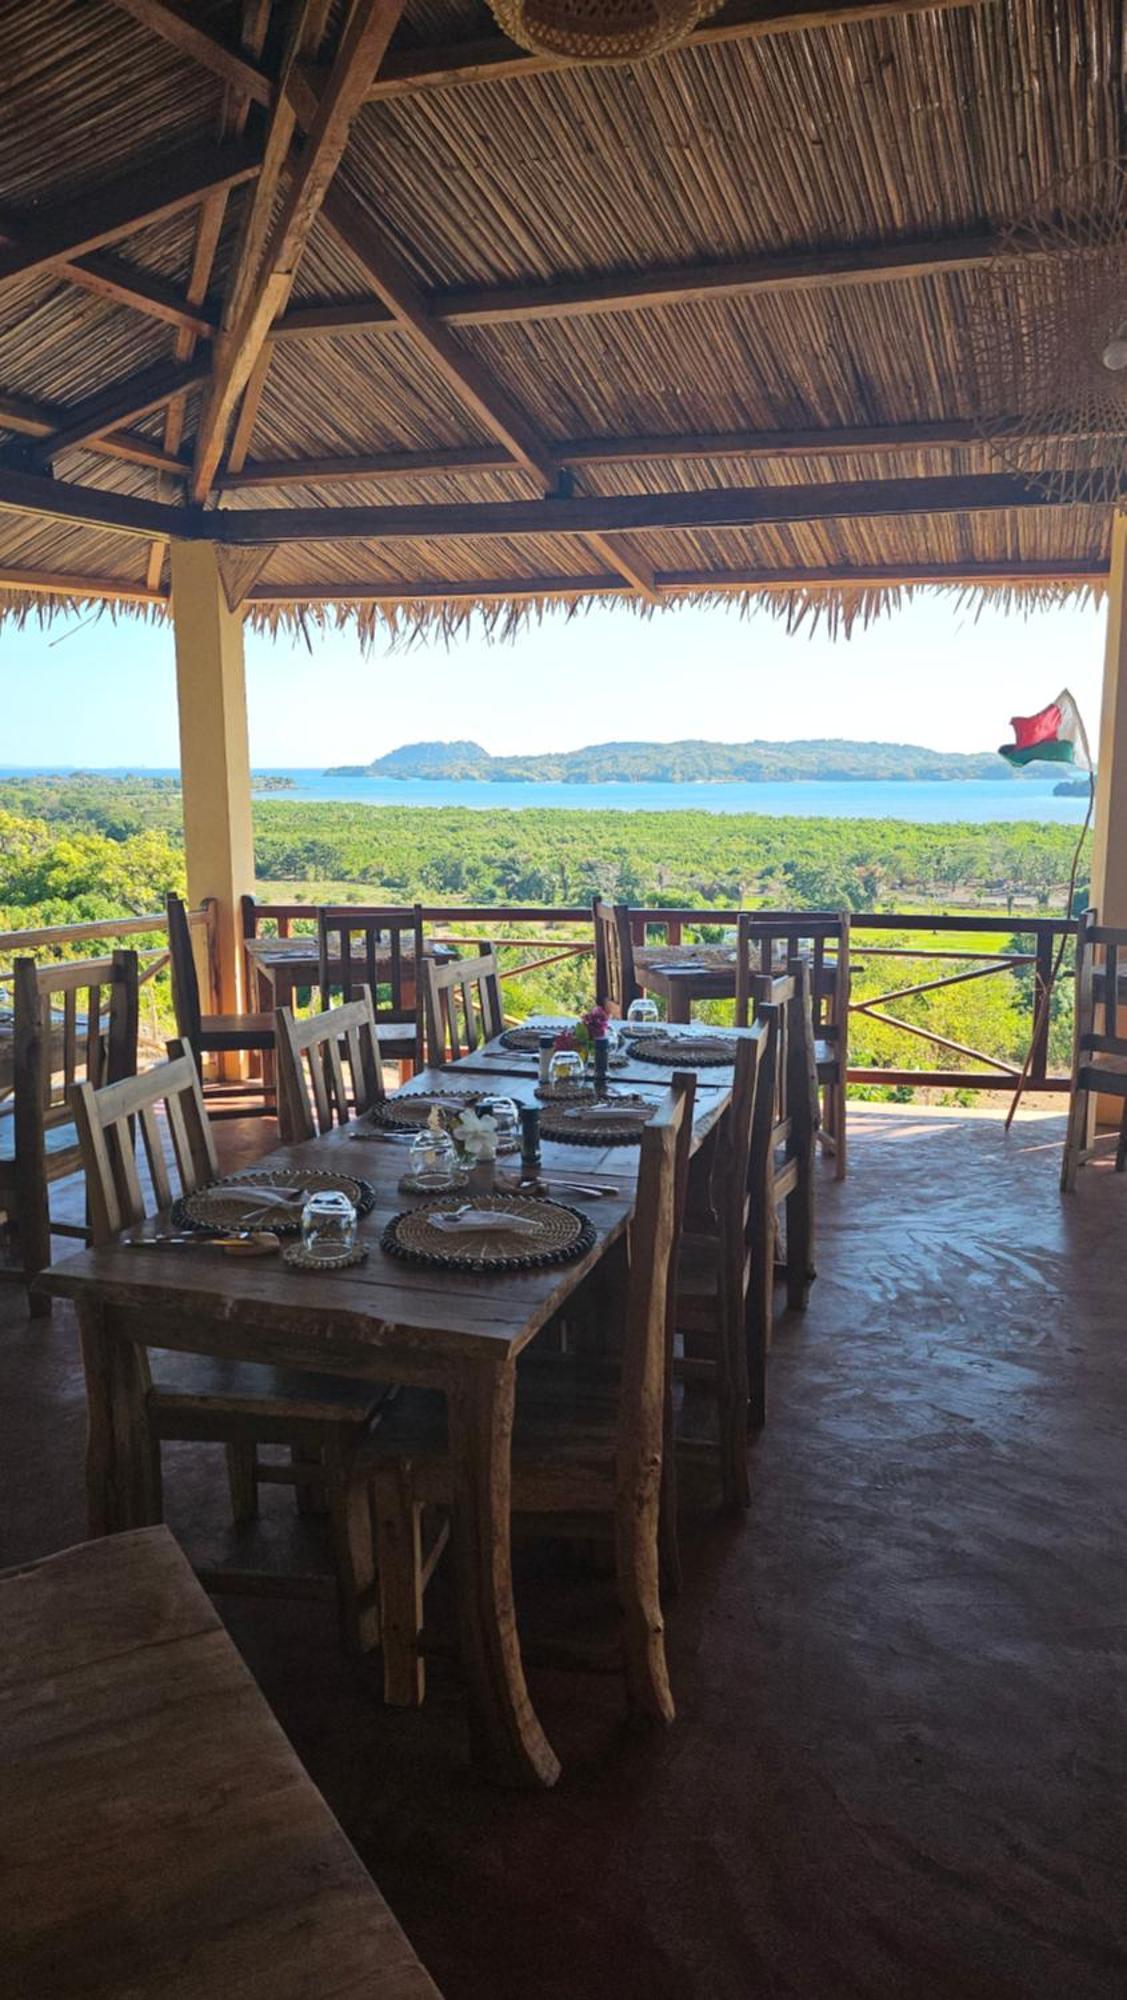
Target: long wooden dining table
<point>381,1321</point>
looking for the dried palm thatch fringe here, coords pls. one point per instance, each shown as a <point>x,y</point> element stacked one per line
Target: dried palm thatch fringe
<point>837,611</point>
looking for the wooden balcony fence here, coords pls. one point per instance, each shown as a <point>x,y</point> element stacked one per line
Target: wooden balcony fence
<point>567,934</point>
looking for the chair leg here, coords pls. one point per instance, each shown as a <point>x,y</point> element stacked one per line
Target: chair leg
<point>310,1498</point>
<point>839,1117</point>
<point>350,1515</point>
<point>242,1469</point>
<point>1121,1148</point>
<point>1075,1139</point>
<point>399,1563</point>
<point>732,1416</point>
<point>636,1558</point>
<point>800,1237</point>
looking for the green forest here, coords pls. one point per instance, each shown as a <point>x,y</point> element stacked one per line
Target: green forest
<point>85,848</point>
<point>681,763</point>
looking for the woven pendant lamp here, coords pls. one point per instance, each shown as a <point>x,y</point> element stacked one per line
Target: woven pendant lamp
<point>600,31</point>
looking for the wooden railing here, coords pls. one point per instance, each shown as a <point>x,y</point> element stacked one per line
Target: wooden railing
<point>572,937</point>
<point>59,940</point>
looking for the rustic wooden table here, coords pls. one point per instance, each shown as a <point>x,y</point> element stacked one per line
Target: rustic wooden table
<point>678,975</point>
<point>281,965</point>
<point>382,1321</point>
<point>493,1059</point>
<point>160,1836</point>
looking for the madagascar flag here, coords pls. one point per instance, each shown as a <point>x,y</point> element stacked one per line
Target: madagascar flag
<point>1054,736</point>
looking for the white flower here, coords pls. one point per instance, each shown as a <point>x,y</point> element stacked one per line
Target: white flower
<point>476,1135</point>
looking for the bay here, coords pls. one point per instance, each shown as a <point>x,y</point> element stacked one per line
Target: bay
<point>926,801</point>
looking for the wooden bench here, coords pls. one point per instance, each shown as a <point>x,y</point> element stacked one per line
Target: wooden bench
<point>159,1835</point>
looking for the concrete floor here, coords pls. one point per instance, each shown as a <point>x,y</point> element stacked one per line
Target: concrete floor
<point>899,1762</point>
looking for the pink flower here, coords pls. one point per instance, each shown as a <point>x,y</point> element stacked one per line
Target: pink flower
<point>565,1039</point>
<point>596,1021</point>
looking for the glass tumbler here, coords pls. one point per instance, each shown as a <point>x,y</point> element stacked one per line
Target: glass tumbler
<point>505,1116</point>
<point>432,1161</point>
<point>328,1224</point>
<point>642,1014</point>
<point>567,1070</point>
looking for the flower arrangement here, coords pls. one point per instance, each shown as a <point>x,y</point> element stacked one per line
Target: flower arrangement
<point>476,1134</point>
<point>589,1029</point>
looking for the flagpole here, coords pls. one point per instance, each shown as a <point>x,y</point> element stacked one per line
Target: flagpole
<point>1042,1014</point>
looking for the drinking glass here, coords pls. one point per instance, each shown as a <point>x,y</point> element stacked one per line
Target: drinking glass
<point>328,1224</point>
<point>504,1113</point>
<point>433,1159</point>
<point>566,1070</point>
<point>642,1014</point>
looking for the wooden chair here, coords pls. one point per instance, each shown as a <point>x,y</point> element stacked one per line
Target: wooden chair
<point>463,1004</point>
<point>1099,1048</point>
<point>587,1450</point>
<point>381,949</point>
<point>215,1034</point>
<point>325,1046</point>
<point>615,983</point>
<point>726,1273</point>
<point>822,937</point>
<point>70,1021</point>
<point>791,1112</point>
<point>196,1397</point>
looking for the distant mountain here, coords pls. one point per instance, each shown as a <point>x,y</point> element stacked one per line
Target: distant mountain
<point>682,763</point>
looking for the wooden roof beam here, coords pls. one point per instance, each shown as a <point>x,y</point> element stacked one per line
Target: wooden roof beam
<point>674,582</point>
<point>461,371</point>
<point>145,193</point>
<point>495,58</point>
<point>808,270</point>
<point>29,418</point>
<point>89,507</point>
<point>731,507</point>
<point>53,583</point>
<point>806,442</point>
<point>177,26</point>
<point>121,403</point>
<point>262,282</point>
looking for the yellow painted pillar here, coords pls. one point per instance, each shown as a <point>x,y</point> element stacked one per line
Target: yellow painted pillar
<point>214,753</point>
<point>1109,836</point>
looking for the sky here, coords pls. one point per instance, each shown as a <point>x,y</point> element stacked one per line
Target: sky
<point>92,692</point>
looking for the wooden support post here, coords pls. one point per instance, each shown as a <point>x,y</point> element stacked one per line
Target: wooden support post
<point>1109,838</point>
<point>214,753</point>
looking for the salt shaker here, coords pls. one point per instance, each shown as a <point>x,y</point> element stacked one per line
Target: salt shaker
<point>547,1043</point>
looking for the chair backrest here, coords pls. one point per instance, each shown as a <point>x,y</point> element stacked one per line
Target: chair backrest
<point>380,948</point>
<point>185,978</point>
<point>743,1160</point>
<point>655,1238</point>
<point>766,939</point>
<point>615,983</point>
<point>108,1120</point>
<point>326,1045</point>
<point>1101,962</point>
<point>71,1023</point>
<point>463,1004</point>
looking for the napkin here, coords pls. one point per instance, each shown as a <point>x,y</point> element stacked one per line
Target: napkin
<point>266,1195</point>
<point>614,1113</point>
<point>471,1222</point>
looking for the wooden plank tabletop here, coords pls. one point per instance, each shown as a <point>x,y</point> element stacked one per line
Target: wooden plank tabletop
<point>160,1838</point>
<point>335,1321</point>
<point>493,1059</point>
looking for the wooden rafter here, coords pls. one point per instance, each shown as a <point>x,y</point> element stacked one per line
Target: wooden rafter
<point>848,440</point>
<point>178,27</point>
<point>470,381</point>
<point>831,268</point>
<point>209,228</point>
<point>120,403</point>
<point>495,58</point>
<point>144,194</point>
<point>675,582</point>
<point>87,506</point>
<point>110,277</point>
<point>52,583</point>
<point>263,280</point>
<point>33,419</point>
<point>460,370</point>
<point>729,507</point>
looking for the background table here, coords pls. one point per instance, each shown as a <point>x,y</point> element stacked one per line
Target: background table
<point>281,965</point>
<point>160,1837</point>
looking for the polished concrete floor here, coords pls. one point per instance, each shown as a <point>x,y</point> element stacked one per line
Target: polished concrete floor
<point>899,1766</point>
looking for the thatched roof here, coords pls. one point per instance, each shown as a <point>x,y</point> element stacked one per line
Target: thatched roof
<point>524,333</point>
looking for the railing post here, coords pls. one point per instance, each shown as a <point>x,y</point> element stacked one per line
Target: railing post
<point>1042,977</point>
<point>212,948</point>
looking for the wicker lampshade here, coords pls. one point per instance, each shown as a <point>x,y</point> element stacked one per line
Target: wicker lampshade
<point>600,31</point>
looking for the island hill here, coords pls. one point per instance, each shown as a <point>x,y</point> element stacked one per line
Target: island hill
<point>681,763</point>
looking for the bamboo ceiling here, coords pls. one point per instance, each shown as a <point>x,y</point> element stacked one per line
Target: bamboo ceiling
<point>417,324</point>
